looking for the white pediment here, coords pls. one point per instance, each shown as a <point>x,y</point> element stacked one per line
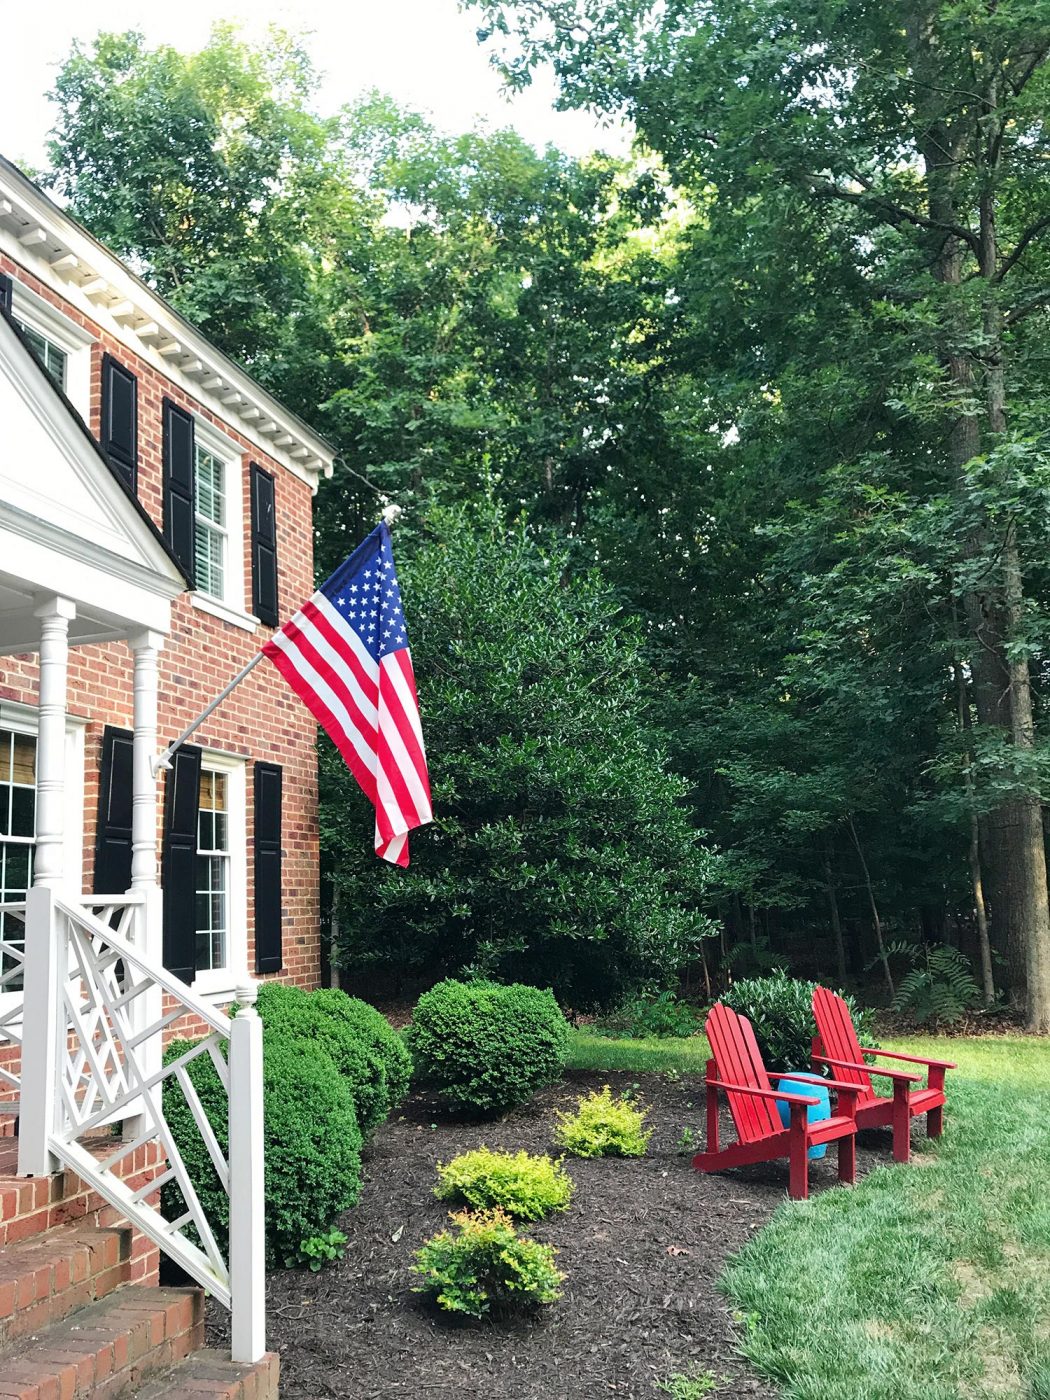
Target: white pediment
<point>52,475</point>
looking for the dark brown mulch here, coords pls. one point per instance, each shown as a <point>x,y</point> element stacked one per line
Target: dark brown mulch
<point>642,1244</point>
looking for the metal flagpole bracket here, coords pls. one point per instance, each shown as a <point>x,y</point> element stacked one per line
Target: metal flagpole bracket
<point>162,762</point>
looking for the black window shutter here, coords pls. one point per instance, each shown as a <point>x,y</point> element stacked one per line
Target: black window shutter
<point>269,956</point>
<point>113,834</point>
<point>264,546</point>
<point>179,488</point>
<point>181,802</point>
<point>6,286</point>
<point>120,399</point>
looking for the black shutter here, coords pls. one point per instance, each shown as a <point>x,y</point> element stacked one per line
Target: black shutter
<point>268,948</point>
<point>5,292</point>
<point>120,400</point>
<point>181,802</point>
<point>264,546</point>
<point>179,487</point>
<point>113,835</point>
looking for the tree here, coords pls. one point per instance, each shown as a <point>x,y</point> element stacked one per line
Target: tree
<point>560,853</point>
<point>908,141</point>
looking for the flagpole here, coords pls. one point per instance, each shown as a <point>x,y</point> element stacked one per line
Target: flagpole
<point>163,760</point>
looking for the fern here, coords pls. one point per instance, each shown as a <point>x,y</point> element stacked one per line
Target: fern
<point>939,988</point>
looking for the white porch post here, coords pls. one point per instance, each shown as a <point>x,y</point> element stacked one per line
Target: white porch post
<point>42,1025</point>
<point>145,650</point>
<point>247,1182</point>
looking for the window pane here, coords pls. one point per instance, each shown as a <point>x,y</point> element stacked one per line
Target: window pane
<point>219,800</point>
<point>47,352</point>
<point>23,812</point>
<point>23,760</point>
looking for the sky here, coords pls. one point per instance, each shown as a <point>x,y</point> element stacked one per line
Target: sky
<point>422,52</point>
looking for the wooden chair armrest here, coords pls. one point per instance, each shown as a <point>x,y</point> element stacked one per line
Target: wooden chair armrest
<point>908,1059</point>
<point>762,1093</point>
<point>893,1074</point>
<point>842,1086</point>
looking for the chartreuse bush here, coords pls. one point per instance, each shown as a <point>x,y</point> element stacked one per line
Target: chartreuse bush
<point>365,1048</point>
<point>482,1265</point>
<point>780,1009</point>
<point>603,1127</point>
<point>526,1187</point>
<point>313,1143</point>
<point>485,1047</point>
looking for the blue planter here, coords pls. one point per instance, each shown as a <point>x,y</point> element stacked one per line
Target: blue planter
<point>813,1087</point>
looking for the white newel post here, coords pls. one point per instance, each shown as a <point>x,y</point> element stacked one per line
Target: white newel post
<point>145,651</point>
<point>247,1183</point>
<point>43,1026</point>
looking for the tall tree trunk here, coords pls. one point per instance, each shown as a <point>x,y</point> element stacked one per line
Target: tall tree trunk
<point>836,922</point>
<point>974,854</point>
<point>876,922</point>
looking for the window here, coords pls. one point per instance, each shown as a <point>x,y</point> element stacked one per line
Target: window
<point>17,835</point>
<point>51,356</point>
<point>210,508</point>
<point>213,872</point>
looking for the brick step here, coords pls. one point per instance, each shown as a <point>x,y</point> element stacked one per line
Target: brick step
<point>211,1372</point>
<point>106,1349</point>
<point>43,1278</point>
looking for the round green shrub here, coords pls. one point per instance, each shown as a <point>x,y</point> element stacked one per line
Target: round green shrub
<point>313,1143</point>
<point>487,1048</point>
<point>365,1048</point>
<point>780,1009</point>
<point>603,1127</point>
<point>486,1266</point>
<point>526,1187</point>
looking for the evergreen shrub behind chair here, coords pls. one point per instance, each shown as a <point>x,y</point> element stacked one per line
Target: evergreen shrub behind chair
<point>484,1047</point>
<point>313,1143</point>
<point>780,1009</point>
<point>367,1051</point>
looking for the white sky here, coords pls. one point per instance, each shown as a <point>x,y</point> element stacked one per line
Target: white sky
<point>422,52</point>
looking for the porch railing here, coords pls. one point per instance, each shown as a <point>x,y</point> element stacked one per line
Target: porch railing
<point>96,1006</point>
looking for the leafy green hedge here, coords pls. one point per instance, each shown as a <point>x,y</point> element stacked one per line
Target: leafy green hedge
<point>780,1008</point>
<point>486,1047</point>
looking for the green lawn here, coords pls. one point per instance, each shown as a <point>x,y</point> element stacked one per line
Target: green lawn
<point>928,1282</point>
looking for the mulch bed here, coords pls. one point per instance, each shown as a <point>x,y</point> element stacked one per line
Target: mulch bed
<point>643,1245</point>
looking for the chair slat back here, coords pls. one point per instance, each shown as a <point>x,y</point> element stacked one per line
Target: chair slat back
<point>838,1039</point>
<point>737,1057</point>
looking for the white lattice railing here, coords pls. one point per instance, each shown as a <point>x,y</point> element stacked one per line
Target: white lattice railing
<point>107,1005</point>
<point>12,958</point>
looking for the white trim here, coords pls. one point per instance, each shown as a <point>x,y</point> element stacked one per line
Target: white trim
<point>223,981</point>
<point>230,607</point>
<point>206,603</point>
<point>76,342</point>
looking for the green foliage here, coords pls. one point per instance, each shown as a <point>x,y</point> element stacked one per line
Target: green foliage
<point>658,1014</point>
<point>692,1385</point>
<point>939,987</point>
<point>364,1047</point>
<point>317,1251</point>
<point>484,1047</point>
<point>560,853</point>
<point>485,1267</point>
<point>603,1127</point>
<point>526,1187</point>
<point>313,1143</point>
<point>780,1009</point>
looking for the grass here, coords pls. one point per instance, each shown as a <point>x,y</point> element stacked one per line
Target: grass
<point>928,1282</point>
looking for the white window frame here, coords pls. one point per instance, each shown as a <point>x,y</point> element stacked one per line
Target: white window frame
<point>24,719</point>
<point>222,982</point>
<point>230,607</point>
<point>70,338</point>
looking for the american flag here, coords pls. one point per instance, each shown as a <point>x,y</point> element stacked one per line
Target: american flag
<point>345,654</point>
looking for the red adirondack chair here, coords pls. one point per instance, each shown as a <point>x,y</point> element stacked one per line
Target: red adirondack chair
<point>761,1137</point>
<point>837,1046</point>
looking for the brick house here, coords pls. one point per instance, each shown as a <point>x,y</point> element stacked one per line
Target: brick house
<point>227,477</point>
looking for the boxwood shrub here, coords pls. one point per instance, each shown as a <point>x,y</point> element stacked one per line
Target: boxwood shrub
<point>486,1048</point>
<point>365,1048</point>
<point>313,1143</point>
<point>780,1008</point>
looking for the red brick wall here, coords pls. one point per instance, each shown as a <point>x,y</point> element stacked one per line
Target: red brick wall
<point>262,719</point>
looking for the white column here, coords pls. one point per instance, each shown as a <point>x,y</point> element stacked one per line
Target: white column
<point>247,1183</point>
<point>149,921</point>
<point>45,957</point>
<point>49,860</point>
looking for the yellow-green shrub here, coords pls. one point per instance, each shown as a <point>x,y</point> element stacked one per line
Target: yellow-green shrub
<point>484,1265</point>
<point>603,1127</point>
<point>527,1188</point>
